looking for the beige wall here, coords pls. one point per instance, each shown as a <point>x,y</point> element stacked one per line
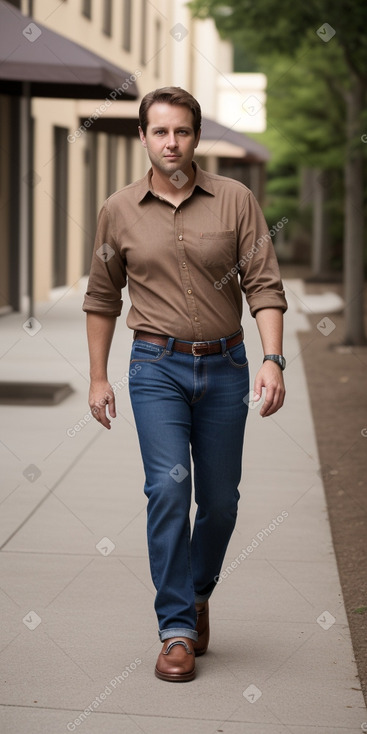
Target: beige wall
<point>177,62</point>
<point>48,114</point>
<point>67,20</point>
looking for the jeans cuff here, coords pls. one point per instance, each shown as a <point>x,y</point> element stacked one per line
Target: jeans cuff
<point>178,632</point>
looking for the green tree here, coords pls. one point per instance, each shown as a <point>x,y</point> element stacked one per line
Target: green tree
<point>306,135</point>
<point>318,29</point>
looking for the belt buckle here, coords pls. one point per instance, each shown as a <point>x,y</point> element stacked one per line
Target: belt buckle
<point>199,345</point>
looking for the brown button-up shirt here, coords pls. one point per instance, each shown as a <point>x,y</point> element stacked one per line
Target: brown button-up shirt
<point>185,266</point>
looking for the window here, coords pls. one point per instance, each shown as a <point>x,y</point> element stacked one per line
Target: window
<point>157,47</point>
<point>126,28</point>
<point>90,196</point>
<point>10,186</point>
<point>112,141</point>
<point>60,206</point>
<point>128,161</point>
<point>87,8</point>
<point>143,34</point>
<point>107,17</point>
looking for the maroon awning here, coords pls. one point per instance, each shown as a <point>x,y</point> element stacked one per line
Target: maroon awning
<point>52,64</point>
<point>123,120</point>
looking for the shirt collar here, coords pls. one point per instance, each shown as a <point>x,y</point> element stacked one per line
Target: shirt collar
<point>202,181</point>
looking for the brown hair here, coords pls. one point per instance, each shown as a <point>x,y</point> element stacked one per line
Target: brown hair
<point>170,95</point>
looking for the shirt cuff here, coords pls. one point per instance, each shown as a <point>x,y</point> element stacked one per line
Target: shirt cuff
<point>97,305</point>
<point>272,299</point>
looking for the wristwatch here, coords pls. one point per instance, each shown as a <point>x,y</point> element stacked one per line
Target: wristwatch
<point>278,358</point>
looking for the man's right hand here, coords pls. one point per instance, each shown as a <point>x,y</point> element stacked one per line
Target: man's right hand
<point>101,395</point>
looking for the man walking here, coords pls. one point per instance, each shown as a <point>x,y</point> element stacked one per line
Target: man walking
<point>186,242</point>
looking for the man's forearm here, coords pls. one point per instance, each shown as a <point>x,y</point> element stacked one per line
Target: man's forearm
<point>270,376</point>
<point>100,331</point>
<point>270,325</point>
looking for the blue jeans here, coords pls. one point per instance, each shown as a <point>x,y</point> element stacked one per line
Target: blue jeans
<point>179,401</point>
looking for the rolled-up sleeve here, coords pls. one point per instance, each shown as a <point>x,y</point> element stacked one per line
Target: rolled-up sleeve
<point>108,270</point>
<point>259,270</point>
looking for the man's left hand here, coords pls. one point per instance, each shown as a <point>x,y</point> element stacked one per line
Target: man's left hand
<point>270,377</point>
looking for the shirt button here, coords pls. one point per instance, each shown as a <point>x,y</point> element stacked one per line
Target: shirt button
<point>189,291</point>
<point>184,265</point>
<point>196,318</point>
<point>180,237</point>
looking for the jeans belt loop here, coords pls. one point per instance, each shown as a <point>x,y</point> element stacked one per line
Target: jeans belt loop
<point>223,344</point>
<point>169,345</point>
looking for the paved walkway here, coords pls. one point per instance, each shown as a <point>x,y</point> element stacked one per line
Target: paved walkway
<point>78,629</point>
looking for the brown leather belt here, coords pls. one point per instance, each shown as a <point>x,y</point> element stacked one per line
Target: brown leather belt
<point>198,349</point>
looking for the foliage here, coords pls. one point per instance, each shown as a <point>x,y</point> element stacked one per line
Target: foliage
<point>266,26</point>
<point>305,130</point>
<point>308,80</point>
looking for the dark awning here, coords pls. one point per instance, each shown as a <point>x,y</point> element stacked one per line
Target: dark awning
<point>122,119</point>
<point>212,130</point>
<point>52,64</point>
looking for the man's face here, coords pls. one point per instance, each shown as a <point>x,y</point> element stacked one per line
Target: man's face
<point>170,139</point>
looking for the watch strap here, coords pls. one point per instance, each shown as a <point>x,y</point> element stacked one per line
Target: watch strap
<point>277,358</point>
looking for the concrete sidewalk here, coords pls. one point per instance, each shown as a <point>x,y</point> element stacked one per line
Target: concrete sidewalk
<point>79,632</point>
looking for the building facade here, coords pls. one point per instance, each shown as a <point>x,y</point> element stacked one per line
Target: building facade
<point>75,164</point>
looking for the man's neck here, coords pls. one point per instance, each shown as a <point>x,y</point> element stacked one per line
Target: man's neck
<point>166,187</point>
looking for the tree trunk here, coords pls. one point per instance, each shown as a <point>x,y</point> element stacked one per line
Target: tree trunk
<point>320,233</point>
<point>353,233</point>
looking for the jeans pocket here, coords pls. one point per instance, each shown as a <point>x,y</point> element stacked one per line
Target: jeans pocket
<point>142,351</point>
<point>237,356</point>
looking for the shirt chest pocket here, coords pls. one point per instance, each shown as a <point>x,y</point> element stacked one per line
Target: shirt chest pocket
<point>218,249</point>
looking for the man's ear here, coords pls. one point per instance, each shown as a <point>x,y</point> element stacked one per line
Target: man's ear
<point>142,137</point>
<point>197,139</point>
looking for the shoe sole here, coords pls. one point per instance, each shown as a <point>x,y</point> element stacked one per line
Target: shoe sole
<point>175,677</point>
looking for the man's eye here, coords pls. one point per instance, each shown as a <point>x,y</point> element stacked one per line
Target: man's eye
<point>159,132</point>
<point>183,132</point>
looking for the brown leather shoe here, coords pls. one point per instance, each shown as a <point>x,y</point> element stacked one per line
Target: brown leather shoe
<point>202,628</point>
<point>176,661</point>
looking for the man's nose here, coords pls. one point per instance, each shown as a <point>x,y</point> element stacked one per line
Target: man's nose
<point>171,142</point>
